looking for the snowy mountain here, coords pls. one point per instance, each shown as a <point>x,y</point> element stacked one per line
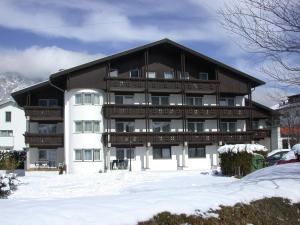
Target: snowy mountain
<point>10,82</point>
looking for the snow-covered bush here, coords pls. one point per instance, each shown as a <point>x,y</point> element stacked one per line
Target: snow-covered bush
<point>8,183</point>
<point>236,160</point>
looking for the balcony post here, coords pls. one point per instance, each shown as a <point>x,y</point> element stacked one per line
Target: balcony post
<point>185,145</point>
<point>147,154</point>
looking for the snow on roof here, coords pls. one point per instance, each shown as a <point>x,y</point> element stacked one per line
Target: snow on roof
<point>250,148</point>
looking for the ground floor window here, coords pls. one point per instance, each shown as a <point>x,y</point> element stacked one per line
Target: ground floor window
<point>196,152</point>
<point>125,153</point>
<point>87,155</point>
<point>47,156</point>
<point>162,153</point>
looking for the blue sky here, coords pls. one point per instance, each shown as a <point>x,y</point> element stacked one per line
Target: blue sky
<point>38,38</point>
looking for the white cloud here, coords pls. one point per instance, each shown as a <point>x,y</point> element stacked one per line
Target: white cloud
<point>40,62</point>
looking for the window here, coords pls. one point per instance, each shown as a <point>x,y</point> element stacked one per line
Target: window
<point>169,75</point>
<point>124,126</point>
<point>195,126</point>
<point>6,133</point>
<point>7,116</point>
<point>255,124</point>
<point>78,99</point>
<point>87,155</point>
<point>228,126</point>
<point>120,154</point>
<point>164,126</point>
<point>78,155</point>
<point>113,73</point>
<point>160,100</point>
<point>96,154</point>
<point>87,99</point>
<point>125,153</point>
<point>78,126</point>
<point>87,126</point>
<point>151,75</point>
<point>186,76</point>
<point>162,153</point>
<point>203,76</point>
<point>42,155</point>
<point>47,128</point>
<point>48,102</point>
<point>135,73</point>
<point>197,152</point>
<point>123,99</point>
<point>197,101</point>
<point>227,101</point>
<point>130,153</point>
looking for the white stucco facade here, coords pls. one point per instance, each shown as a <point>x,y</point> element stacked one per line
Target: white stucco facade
<point>12,130</point>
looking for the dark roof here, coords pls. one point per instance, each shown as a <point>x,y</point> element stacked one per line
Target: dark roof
<point>262,106</point>
<point>163,41</point>
<point>32,87</point>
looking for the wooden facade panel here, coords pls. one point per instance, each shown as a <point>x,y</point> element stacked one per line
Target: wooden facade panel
<point>230,83</point>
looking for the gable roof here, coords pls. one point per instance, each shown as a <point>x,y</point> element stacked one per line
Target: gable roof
<point>29,88</point>
<point>143,47</point>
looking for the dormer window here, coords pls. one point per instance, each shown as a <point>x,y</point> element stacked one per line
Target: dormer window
<point>135,73</point>
<point>169,75</point>
<point>113,73</point>
<point>203,76</point>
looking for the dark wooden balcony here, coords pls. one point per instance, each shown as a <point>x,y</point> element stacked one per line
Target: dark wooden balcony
<point>205,87</point>
<point>261,133</point>
<point>44,140</point>
<point>39,113</point>
<point>126,84</point>
<point>171,111</point>
<point>164,85</point>
<point>177,138</point>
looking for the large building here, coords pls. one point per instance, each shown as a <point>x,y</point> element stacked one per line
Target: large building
<point>12,126</point>
<point>160,106</point>
<point>287,132</point>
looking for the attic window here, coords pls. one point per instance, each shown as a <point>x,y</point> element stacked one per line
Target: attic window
<point>113,73</point>
<point>203,76</point>
<point>134,73</point>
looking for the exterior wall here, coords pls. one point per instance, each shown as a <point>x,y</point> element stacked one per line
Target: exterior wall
<point>266,142</point>
<point>17,125</point>
<point>82,140</point>
<point>276,140</point>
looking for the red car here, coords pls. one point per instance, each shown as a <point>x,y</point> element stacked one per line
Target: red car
<point>289,157</point>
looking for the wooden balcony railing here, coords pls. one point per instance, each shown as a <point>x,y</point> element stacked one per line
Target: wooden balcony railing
<point>39,113</point>
<point>140,111</point>
<point>177,138</point>
<point>162,85</point>
<point>261,133</point>
<point>44,140</point>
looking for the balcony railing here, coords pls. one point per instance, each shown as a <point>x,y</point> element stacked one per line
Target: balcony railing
<point>261,133</point>
<point>44,140</point>
<point>140,111</point>
<point>176,138</point>
<point>162,85</point>
<point>39,113</point>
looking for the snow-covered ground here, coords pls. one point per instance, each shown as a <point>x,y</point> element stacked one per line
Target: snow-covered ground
<point>125,198</point>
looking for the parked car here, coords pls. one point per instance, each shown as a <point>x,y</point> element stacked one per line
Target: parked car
<point>274,156</point>
<point>289,157</point>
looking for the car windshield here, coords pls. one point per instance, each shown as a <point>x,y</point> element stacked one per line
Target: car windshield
<point>288,156</point>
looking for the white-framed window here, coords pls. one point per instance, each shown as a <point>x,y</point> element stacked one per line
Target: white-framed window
<point>124,126</point>
<point>48,102</point>
<point>186,76</point>
<point>162,153</point>
<point>227,101</point>
<point>203,76</point>
<point>151,75</point>
<point>169,75</point>
<point>135,73</point>
<point>113,73</point>
<point>197,152</point>
<point>196,101</point>
<point>87,126</point>
<point>87,99</point>
<point>160,100</point>
<point>124,99</point>
<point>227,126</point>
<point>87,155</point>
<point>6,133</point>
<point>195,126</point>
<point>161,126</point>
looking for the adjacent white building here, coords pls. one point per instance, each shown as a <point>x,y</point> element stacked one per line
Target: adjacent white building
<point>12,126</point>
